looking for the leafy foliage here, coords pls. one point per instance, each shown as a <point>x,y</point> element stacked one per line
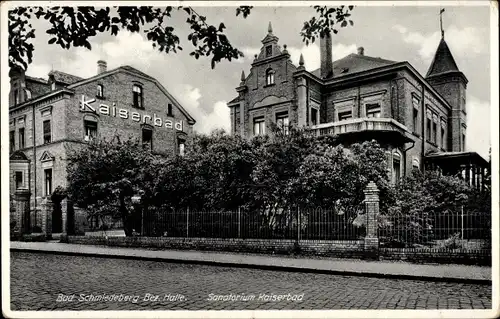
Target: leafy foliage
<point>266,175</point>
<point>75,26</point>
<point>105,175</point>
<point>419,203</point>
<point>326,22</point>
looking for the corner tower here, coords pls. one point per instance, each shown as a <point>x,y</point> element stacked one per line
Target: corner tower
<point>444,76</point>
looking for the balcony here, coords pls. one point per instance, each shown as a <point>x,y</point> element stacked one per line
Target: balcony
<point>360,129</point>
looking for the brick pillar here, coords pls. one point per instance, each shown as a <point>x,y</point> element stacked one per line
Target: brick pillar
<point>47,209</point>
<point>371,210</point>
<point>301,102</point>
<point>21,213</point>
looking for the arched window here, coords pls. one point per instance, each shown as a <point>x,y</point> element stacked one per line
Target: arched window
<point>396,166</point>
<point>137,91</point>
<point>100,90</point>
<point>270,77</point>
<point>416,164</point>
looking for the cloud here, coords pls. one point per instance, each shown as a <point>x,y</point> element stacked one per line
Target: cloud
<point>219,118</point>
<point>311,54</point>
<point>206,122</point>
<point>133,49</point>
<point>128,47</point>
<point>189,97</point>
<point>249,53</point>
<point>478,126</point>
<point>463,42</point>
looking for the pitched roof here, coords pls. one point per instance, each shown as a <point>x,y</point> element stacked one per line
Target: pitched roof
<point>236,99</point>
<point>354,63</point>
<point>443,60</point>
<point>65,78</point>
<point>132,69</point>
<point>128,68</point>
<point>40,80</point>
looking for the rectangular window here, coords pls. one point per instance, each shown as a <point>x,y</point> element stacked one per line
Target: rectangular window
<point>137,92</point>
<point>180,147</point>
<point>259,126</point>
<point>47,132</point>
<point>443,138</point>
<point>282,121</point>
<point>147,138</point>
<point>90,128</point>
<point>19,179</point>
<point>373,110</point>
<point>48,182</point>
<point>22,141</point>
<point>169,110</point>
<point>428,132</point>
<point>314,116</point>
<point>463,142</point>
<point>434,132</point>
<point>12,140</point>
<point>16,96</point>
<point>345,115</point>
<point>269,51</point>
<point>415,120</point>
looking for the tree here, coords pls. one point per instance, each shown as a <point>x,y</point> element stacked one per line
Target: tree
<point>423,203</point>
<point>75,26</point>
<point>103,177</point>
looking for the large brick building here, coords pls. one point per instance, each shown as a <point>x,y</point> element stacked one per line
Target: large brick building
<point>419,120</point>
<point>48,116</point>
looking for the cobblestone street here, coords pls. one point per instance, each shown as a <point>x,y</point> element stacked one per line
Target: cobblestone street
<point>39,280</point>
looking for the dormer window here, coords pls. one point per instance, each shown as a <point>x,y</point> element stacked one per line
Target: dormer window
<point>270,77</point>
<point>100,90</point>
<point>137,91</point>
<point>269,51</point>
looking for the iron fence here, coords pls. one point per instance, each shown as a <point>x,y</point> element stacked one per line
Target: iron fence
<point>443,230</point>
<point>276,223</point>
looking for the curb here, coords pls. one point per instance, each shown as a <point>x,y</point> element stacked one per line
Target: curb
<point>263,267</point>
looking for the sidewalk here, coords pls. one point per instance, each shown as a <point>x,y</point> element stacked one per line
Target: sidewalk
<point>383,269</point>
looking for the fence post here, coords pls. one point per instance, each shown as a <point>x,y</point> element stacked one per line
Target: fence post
<point>298,224</point>
<point>187,222</point>
<point>371,210</point>
<point>239,222</point>
<point>462,232</point>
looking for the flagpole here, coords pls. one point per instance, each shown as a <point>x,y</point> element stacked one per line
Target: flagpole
<point>441,22</point>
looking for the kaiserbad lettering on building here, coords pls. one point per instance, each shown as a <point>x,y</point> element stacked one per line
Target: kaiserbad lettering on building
<point>48,115</point>
<point>420,121</point>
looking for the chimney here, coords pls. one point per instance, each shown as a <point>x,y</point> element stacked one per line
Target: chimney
<point>326,55</point>
<point>361,51</point>
<point>101,66</point>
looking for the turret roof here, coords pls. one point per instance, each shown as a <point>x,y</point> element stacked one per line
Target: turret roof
<point>443,60</point>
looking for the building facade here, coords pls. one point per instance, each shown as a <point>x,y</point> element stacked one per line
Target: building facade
<point>419,120</point>
<point>49,117</point>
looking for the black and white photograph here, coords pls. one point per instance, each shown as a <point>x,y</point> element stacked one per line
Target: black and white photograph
<point>208,159</point>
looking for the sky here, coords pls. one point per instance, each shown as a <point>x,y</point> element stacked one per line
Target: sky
<point>399,33</point>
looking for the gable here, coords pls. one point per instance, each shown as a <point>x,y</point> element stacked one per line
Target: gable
<point>136,73</point>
